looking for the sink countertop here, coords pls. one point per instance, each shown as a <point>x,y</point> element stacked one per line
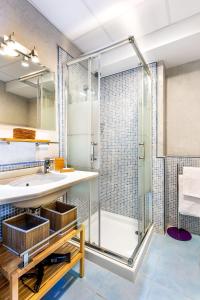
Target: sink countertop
<point>13,194</point>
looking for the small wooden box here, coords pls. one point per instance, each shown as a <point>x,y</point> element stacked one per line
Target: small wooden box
<point>59,214</point>
<point>22,133</point>
<point>23,231</point>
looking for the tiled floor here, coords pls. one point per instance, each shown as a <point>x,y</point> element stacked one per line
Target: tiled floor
<point>170,271</point>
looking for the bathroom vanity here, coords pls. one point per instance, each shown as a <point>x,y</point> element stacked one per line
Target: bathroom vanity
<point>32,188</point>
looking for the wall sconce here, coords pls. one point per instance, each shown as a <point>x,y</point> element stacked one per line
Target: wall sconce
<point>7,50</point>
<point>34,56</point>
<point>10,47</point>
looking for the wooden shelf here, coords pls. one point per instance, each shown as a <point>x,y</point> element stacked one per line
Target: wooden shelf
<point>51,275</point>
<point>11,288</point>
<point>12,140</point>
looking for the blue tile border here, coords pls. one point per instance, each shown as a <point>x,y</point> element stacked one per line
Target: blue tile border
<point>20,165</point>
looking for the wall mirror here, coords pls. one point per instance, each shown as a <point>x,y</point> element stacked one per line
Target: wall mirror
<point>27,94</point>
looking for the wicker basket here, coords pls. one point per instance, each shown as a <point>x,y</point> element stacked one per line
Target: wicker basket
<point>59,214</point>
<point>23,231</point>
<point>21,133</point>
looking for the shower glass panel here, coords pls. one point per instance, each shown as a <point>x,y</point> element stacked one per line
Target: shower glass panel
<point>83,138</point>
<point>109,131</point>
<point>145,155</point>
<point>79,117</point>
<point>148,150</point>
<point>94,94</point>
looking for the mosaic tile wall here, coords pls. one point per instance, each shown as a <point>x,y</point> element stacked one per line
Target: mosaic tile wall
<point>173,166</point>
<point>119,140</point>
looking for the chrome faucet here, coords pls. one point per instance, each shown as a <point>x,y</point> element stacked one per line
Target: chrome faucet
<point>47,165</point>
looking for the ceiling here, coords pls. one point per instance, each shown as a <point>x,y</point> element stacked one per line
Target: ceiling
<point>167,30</point>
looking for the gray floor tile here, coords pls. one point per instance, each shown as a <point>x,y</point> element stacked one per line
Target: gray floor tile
<point>170,271</point>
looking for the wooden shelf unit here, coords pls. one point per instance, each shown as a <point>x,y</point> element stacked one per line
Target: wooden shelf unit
<point>13,140</point>
<point>11,288</point>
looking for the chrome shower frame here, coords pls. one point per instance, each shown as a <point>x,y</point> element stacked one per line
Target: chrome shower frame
<point>84,57</point>
<point>97,52</point>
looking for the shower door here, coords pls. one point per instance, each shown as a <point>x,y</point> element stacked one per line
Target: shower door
<point>82,110</point>
<point>144,156</point>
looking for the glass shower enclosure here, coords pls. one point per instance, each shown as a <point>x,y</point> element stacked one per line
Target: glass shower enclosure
<point>108,130</point>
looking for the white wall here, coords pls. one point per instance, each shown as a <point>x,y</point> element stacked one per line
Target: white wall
<point>183,110</point>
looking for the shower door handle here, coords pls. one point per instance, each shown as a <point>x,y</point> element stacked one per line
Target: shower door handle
<point>141,151</point>
<point>93,158</point>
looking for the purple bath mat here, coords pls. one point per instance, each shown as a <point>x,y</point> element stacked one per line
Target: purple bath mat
<point>179,234</point>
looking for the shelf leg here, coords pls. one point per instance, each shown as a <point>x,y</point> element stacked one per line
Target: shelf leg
<point>82,250</point>
<point>14,287</point>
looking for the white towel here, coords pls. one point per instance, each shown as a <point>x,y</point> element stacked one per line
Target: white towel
<point>189,206</point>
<point>191,182</point>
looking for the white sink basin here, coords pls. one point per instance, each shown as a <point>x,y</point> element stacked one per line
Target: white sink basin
<point>37,179</point>
<point>28,188</point>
